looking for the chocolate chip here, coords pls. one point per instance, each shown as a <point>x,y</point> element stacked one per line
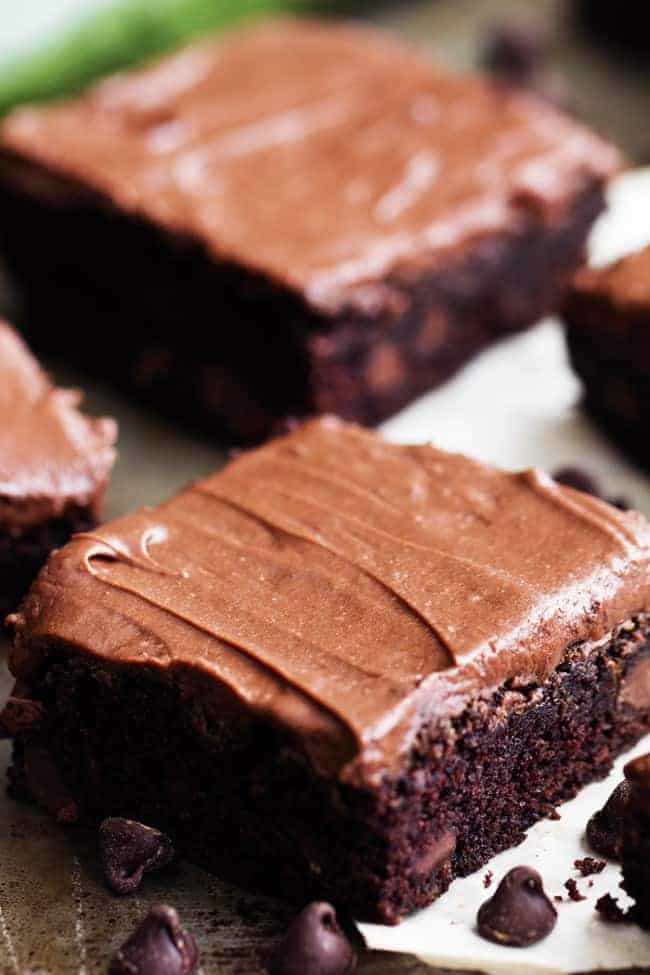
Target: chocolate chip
<point>604,829</point>
<point>516,49</point>
<point>314,945</point>
<point>158,946</point>
<point>519,913</point>
<point>128,850</point>
<point>574,892</point>
<point>609,910</point>
<point>638,771</point>
<point>578,479</point>
<point>587,867</point>
<point>581,480</point>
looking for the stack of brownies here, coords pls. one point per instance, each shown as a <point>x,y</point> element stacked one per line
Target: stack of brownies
<point>337,667</point>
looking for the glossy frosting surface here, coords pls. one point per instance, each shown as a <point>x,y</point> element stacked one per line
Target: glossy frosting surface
<point>50,453</point>
<point>348,588</point>
<point>323,156</point>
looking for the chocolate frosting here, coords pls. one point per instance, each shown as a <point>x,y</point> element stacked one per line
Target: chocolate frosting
<point>347,588</point>
<point>623,285</point>
<point>51,455</point>
<point>324,156</point>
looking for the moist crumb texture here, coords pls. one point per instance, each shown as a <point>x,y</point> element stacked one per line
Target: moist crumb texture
<point>607,311</point>
<point>456,213</point>
<point>54,465</point>
<point>378,757</point>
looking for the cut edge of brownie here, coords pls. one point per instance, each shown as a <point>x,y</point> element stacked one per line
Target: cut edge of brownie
<point>418,326</point>
<point>23,554</point>
<point>607,338</point>
<point>240,798</point>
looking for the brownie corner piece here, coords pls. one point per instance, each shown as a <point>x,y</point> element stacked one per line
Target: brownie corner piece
<point>337,668</point>
<point>607,315</point>
<point>54,466</point>
<point>338,238</point>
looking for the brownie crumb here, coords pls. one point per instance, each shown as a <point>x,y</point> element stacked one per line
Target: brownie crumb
<point>519,913</point>
<point>574,894</point>
<point>552,814</point>
<point>589,866</point>
<point>558,898</point>
<point>609,910</point>
<point>487,879</point>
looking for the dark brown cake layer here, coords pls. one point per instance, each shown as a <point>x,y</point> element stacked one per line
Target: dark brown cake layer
<point>337,666</point>
<point>271,357</point>
<point>241,800</point>
<point>54,465</point>
<point>22,556</point>
<point>338,238</point>
<point>607,312</point>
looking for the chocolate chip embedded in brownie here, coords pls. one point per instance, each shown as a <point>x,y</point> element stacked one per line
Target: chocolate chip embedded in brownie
<point>339,668</point>
<point>54,465</point>
<point>302,218</point>
<point>607,312</point>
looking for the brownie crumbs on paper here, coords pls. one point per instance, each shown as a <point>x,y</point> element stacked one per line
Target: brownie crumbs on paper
<point>487,879</point>
<point>574,894</point>
<point>610,910</point>
<point>589,866</point>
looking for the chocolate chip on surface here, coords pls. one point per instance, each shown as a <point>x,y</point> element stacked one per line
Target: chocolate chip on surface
<point>638,771</point>
<point>581,480</point>
<point>313,945</point>
<point>578,479</point>
<point>604,829</point>
<point>158,946</point>
<point>519,913</point>
<point>517,48</point>
<point>128,850</point>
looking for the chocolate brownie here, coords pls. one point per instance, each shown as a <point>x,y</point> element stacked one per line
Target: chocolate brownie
<point>54,465</point>
<point>607,312</point>
<point>636,839</point>
<point>623,30</point>
<point>338,668</point>
<point>302,218</point>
